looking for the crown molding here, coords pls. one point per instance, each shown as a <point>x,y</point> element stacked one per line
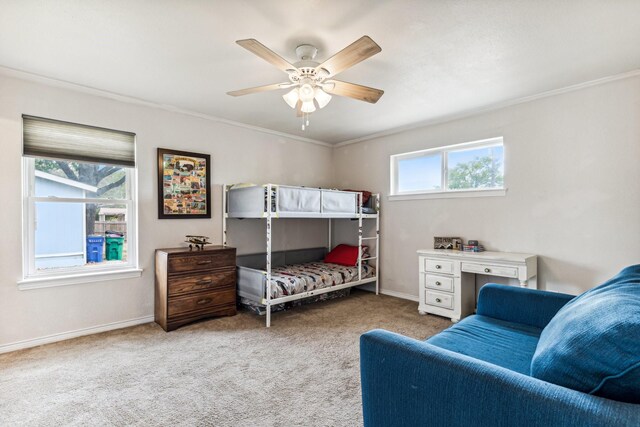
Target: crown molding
<point>492,107</point>
<point>24,75</point>
<point>37,78</point>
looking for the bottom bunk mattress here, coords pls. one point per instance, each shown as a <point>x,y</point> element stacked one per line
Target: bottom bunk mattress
<point>297,278</point>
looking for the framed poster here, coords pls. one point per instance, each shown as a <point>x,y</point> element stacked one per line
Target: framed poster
<point>184,184</point>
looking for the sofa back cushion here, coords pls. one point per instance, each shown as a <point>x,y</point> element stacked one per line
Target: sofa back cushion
<point>593,343</point>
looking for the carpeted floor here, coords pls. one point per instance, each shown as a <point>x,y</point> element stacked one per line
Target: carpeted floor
<point>303,371</point>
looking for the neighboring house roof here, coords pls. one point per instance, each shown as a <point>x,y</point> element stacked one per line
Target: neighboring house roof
<point>66,181</point>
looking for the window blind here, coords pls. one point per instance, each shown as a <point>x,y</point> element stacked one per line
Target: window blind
<point>60,140</point>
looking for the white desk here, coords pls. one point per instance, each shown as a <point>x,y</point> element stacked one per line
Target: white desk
<point>447,277</point>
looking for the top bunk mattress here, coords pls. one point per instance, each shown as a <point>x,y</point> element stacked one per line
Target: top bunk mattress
<point>288,201</point>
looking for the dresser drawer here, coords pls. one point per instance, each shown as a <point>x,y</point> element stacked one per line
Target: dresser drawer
<point>438,266</point>
<point>178,264</point>
<point>201,301</point>
<point>439,299</point>
<point>440,283</point>
<point>215,280</point>
<point>493,270</point>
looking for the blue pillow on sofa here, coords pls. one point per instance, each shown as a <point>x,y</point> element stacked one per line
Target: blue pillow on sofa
<point>593,343</point>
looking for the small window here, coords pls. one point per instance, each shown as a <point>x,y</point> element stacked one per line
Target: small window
<point>79,200</point>
<point>473,166</point>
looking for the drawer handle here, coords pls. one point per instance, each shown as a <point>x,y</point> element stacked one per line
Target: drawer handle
<point>204,282</point>
<point>487,270</point>
<point>204,262</point>
<point>438,266</point>
<point>438,284</point>
<point>204,301</point>
<point>438,300</point>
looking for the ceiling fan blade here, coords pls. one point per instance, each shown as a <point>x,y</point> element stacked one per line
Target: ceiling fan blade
<point>356,52</point>
<point>257,48</point>
<point>352,90</point>
<point>257,89</point>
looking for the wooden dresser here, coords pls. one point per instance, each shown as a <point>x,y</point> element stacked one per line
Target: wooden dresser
<point>194,284</point>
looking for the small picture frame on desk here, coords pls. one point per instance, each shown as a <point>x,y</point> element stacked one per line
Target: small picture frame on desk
<point>454,243</point>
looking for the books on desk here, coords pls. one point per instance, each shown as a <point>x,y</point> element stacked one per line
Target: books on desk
<point>472,248</point>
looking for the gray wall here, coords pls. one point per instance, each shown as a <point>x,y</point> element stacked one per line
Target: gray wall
<point>572,172</point>
<point>571,169</point>
<point>238,155</point>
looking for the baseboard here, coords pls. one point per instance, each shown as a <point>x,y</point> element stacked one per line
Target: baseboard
<point>6,348</point>
<point>401,295</point>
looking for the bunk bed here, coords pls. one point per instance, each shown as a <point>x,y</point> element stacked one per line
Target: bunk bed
<point>273,278</point>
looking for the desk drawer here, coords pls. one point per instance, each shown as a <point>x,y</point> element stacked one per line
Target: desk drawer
<point>440,283</point>
<point>439,299</point>
<point>492,270</point>
<point>438,266</point>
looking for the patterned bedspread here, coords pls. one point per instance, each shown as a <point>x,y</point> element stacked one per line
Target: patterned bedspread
<point>297,278</point>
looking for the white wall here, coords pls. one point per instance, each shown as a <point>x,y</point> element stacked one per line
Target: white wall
<point>573,178</point>
<point>238,154</point>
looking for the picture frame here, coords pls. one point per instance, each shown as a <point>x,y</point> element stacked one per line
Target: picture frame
<point>454,243</point>
<point>184,184</point>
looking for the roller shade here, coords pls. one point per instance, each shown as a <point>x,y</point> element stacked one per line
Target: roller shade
<point>55,139</point>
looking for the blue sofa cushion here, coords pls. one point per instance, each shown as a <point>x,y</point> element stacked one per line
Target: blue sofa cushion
<point>593,343</point>
<point>506,344</point>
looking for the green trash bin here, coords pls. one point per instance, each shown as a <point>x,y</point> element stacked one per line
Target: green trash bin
<point>114,248</point>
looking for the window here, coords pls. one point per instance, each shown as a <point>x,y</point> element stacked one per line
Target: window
<point>79,203</point>
<point>452,170</point>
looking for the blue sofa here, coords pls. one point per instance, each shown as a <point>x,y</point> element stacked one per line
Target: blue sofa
<point>527,358</point>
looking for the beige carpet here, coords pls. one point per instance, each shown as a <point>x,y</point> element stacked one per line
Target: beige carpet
<point>303,371</point>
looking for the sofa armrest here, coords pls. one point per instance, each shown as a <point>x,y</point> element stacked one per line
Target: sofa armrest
<point>520,305</point>
<point>406,382</point>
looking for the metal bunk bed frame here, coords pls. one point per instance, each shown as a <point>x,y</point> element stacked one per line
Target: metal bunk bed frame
<point>269,216</point>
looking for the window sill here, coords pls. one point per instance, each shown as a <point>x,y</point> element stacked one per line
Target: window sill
<point>450,194</point>
<point>74,279</point>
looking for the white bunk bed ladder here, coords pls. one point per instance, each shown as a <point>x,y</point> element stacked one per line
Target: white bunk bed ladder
<point>359,236</point>
<point>377,209</point>
<point>376,238</point>
<point>225,194</point>
<point>268,278</point>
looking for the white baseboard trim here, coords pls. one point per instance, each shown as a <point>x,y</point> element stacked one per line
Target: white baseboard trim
<point>401,295</point>
<point>34,342</point>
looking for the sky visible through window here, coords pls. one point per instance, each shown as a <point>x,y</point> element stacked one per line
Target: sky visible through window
<point>420,173</point>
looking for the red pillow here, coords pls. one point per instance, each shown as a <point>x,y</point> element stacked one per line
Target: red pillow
<point>343,255</point>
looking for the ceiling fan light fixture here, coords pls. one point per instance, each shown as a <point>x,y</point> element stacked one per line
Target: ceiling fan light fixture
<point>311,84</point>
<point>308,107</point>
<point>322,97</point>
<point>306,92</point>
<point>291,98</point>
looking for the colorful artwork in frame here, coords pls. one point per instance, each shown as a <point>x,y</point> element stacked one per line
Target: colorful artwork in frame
<point>184,184</point>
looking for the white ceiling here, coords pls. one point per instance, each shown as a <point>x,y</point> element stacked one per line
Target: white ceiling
<point>439,58</point>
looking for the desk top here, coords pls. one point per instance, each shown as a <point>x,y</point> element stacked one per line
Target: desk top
<point>479,256</point>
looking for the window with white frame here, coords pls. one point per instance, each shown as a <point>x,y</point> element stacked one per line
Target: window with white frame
<point>79,200</point>
<point>472,166</point>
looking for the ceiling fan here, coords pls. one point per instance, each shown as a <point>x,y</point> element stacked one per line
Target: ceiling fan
<point>312,82</point>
